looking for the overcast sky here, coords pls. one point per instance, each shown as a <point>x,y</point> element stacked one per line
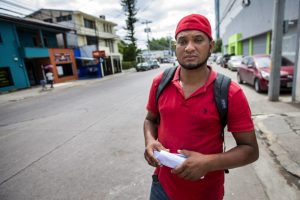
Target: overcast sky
<point>164,14</point>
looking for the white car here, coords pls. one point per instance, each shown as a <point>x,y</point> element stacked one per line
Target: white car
<point>234,62</point>
<point>143,66</point>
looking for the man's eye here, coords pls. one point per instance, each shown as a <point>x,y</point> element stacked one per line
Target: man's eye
<point>181,42</point>
<point>198,40</point>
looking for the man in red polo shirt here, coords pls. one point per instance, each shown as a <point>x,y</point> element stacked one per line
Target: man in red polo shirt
<point>190,123</point>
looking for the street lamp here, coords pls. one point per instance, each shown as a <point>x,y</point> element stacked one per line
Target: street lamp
<point>147,30</point>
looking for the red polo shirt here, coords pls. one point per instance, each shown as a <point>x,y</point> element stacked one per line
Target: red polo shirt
<point>194,124</point>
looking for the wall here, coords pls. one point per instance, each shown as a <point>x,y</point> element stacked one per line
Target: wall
<point>55,63</point>
<point>256,19</point>
<point>11,58</point>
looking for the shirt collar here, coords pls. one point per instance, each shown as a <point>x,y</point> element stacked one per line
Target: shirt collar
<point>210,80</point>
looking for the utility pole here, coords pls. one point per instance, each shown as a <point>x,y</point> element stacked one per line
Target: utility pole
<point>277,32</point>
<point>296,77</point>
<point>217,15</point>
<point>170,45</point>
<point>147,30</point>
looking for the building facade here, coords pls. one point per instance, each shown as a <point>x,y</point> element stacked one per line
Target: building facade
<point>26,47</point>
<point>245,26</point>
<point>91,34</point>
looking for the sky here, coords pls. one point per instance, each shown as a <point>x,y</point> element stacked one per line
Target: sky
<point>164,14</point>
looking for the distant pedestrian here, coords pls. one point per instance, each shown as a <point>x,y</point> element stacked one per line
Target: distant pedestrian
<point>50,78</point>
<point>44,84</point>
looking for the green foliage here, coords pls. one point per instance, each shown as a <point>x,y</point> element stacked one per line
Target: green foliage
<point>130,11</point>
<point>163,43</point>
<point>218,46</point>
<point>129,51</point>
<point>128,64</point>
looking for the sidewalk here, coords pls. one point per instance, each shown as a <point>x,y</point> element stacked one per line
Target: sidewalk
<point>34,91</point>
<point>282,134</point>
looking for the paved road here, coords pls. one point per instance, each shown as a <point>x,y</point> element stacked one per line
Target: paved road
<point>86,142</point>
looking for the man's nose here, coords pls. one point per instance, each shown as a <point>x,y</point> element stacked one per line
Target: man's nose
<point>190,47</point>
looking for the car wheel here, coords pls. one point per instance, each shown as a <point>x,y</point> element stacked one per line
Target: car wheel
<point>257,86</point>
<point>239,79</point>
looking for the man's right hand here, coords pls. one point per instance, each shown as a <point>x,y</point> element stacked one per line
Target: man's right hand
<point>149,156</point>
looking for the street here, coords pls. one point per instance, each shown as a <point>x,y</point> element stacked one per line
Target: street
<point>86,142</point>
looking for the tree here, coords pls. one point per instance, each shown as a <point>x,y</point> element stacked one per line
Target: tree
<point>218,46</point>
<point>129,51</point>
<point>161,44</point>
<point>130,12</point>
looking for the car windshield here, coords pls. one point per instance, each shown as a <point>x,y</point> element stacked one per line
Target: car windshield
<point>143,64</point>
<point>286,62</point>
<point>236,58</point>
<point>263,62</point>
<point>266,62</point>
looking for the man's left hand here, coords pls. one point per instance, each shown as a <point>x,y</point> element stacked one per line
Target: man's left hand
<point>194,167</point>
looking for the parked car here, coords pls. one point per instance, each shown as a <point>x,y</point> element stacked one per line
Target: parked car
<point>234,62</point>
<point>255,70</point>
<point>219,59</point>
<point>143,66</point>
<point>225,59</point>
<point>154,64</point>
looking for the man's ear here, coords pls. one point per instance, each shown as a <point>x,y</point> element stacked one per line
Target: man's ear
<point>212,45</point>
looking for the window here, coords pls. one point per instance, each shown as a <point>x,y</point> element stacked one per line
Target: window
<point>110,45</point>
<point>91,40</point>
<point>46,43</point>
<point>64,70</point>
<point>64,18</point>
<point>286,62</point>
<point>107,28</point>
<point>35,41</point>
<point>245,61</point>
<point>89,24</point>
<point>5,77</point>
<point>48,20</point>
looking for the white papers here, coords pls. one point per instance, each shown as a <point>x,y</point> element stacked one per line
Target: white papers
<point>169,159</point>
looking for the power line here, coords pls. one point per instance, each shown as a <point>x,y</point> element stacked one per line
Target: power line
<point>16,5</point>
<point>12,11</point>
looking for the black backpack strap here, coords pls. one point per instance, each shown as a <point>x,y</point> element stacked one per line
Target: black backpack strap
<point>166,78</point>
<point>221,88</point>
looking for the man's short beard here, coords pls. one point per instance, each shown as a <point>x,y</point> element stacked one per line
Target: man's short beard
<point>195,66</point>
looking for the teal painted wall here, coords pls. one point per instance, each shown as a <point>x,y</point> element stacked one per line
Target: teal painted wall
<point>26,38</point>
<point>30,52</point>
<point>10,57</point>
<point>51,39</point>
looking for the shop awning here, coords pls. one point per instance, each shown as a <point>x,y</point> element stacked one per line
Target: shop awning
<point>85,58</point>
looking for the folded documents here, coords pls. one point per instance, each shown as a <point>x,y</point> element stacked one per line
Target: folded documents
<point>169,159</point>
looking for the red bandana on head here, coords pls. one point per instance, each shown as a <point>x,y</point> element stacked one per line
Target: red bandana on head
<point>194,22</point>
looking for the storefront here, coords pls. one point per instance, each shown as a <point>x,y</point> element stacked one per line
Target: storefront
<point>63,65</point>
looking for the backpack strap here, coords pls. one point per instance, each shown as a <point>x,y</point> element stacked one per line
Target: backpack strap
<point>166,78</point>
<point>221,87</point>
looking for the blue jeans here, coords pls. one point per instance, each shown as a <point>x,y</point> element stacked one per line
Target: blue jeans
<point>157,192</point>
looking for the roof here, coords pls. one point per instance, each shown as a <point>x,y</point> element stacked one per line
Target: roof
<point>73,12</point>
<point>29,22</point>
